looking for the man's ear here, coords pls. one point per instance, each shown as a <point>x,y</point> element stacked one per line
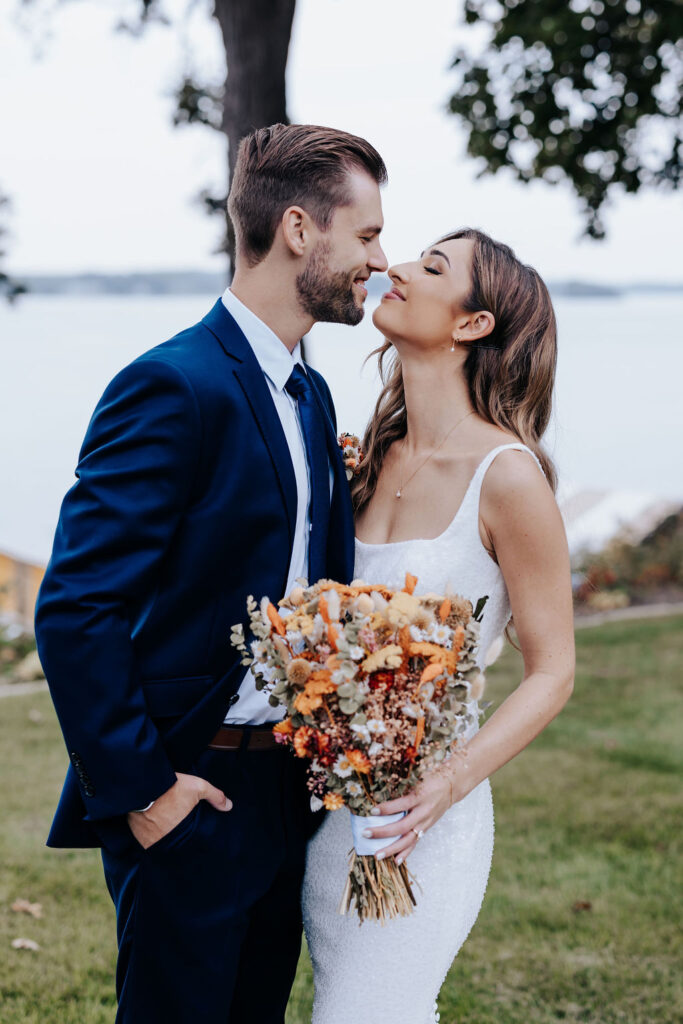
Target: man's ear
<point>296,230</point>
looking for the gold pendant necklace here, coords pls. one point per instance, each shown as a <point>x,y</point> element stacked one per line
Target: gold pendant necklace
<point>403,484</point>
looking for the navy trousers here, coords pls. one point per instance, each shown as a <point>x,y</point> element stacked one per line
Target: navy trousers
<point>209,918</point>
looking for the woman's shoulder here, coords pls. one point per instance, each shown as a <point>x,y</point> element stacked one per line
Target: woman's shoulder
<point>513,476</point>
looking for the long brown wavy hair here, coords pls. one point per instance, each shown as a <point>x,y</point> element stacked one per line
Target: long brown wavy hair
<point>510,374</point>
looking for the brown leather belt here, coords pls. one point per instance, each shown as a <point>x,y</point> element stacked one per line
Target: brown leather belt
<point>237,738</point>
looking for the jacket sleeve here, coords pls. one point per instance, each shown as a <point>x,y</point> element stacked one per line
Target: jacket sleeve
<point>134,479</point>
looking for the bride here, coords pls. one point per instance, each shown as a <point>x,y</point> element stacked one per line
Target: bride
<point>456,490</point>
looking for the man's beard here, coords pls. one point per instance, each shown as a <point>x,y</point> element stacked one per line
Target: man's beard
<point>327,295</point>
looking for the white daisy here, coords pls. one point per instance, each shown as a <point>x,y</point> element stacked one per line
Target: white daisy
<point>376,725</point>
<point>354,789</point>
<point>342,768</point>
<point>362,731</point>
<point>442,635</point>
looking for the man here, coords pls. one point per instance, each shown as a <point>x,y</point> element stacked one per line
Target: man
<point>209,472</point>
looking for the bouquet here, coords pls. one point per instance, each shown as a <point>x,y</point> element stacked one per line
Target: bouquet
<point>378,685</point>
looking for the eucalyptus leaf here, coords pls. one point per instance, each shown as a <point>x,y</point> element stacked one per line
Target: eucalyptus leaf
<point>348,706</point>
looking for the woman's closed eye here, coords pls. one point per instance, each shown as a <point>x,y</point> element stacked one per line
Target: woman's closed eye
<point>432,270</point>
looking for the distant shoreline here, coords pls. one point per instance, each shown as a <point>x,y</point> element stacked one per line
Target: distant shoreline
<point>199,282</point>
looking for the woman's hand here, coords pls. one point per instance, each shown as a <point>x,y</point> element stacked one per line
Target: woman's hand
<point>424,805</point>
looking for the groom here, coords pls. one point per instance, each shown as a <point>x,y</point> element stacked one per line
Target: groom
<point>210,471</point>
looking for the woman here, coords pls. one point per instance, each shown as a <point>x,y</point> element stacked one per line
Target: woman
<point>456,490</point>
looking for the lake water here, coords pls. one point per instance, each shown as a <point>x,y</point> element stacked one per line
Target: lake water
<point>618,413</point>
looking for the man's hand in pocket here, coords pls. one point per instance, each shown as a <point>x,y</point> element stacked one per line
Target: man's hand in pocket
<point>148,827</point>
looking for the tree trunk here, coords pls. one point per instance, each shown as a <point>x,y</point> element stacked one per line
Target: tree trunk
<point>256,36</point>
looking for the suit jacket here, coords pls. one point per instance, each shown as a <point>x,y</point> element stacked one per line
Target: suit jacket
<point>184,504</point>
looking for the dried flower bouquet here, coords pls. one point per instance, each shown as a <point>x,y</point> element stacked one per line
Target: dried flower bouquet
<point>378,685</point>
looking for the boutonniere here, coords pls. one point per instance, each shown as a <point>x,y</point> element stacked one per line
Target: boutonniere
<point>352,454</point>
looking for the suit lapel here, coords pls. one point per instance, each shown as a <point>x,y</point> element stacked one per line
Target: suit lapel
<point>253,383</point>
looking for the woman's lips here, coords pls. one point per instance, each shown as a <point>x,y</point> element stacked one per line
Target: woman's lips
<point>394,294</point>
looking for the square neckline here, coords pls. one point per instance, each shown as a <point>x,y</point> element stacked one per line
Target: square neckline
<point>518,445</point>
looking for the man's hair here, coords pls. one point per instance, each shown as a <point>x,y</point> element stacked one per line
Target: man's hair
<point>293,165</point>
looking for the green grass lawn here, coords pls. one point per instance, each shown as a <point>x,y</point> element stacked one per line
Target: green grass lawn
<point>588,816</point>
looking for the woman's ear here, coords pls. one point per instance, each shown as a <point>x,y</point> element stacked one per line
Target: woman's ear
<point>477,326</point>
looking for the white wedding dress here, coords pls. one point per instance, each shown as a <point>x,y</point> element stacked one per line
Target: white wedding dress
<point>391,974</point>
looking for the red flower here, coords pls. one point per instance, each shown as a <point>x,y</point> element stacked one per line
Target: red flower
<point>378,679</point>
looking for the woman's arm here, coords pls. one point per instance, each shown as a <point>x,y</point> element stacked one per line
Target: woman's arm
<point>522,524</point>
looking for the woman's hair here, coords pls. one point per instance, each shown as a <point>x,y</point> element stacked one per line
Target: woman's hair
<point>510,373</point>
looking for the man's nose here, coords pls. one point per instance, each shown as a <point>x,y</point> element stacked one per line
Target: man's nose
<point>378,260</point>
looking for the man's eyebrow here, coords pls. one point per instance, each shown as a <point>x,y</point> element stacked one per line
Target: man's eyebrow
<point>437,252</point>
<point>374,230</point>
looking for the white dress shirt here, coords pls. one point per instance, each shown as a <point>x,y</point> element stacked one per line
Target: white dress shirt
<point>277,363</point>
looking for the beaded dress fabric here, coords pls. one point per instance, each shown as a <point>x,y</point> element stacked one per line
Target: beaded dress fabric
<point>392,974</point>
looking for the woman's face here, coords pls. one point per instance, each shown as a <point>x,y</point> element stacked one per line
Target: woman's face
<point>425,305</point>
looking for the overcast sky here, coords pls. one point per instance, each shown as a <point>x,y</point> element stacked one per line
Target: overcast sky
<point>101,181</point>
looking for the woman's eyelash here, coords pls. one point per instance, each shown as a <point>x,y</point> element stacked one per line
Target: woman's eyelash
<point>432,270</point>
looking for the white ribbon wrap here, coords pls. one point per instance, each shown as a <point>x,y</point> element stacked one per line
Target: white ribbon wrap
<point>369,847</point>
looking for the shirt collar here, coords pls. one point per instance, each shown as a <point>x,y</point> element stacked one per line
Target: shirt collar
<point>272,354</point>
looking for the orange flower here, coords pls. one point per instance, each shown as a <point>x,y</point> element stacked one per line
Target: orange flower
<point>276,620</point>
<point>323,608</point>
<point>358,761</point>
<point>445,610</point>
<point>306,703</point>
<point>411,583</point>
<point>333,801</point>
<point>431,671</point>
<point>284,728</point>
<point>448,659</point>
<point>458,641</point>
<point>319,681</point>
<point>303,738</point>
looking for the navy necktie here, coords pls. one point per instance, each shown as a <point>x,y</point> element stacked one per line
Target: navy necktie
<point>313,428</point>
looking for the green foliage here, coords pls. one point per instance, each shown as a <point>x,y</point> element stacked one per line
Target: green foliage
<point>588,91</point>
<point>578,924</point>
<point>643,570</point>
<point>14,648</point>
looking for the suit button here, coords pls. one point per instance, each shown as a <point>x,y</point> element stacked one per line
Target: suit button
<point>89,790</point>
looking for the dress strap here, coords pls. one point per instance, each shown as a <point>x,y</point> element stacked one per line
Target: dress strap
<point>512,446</point>
<point>469,509</point>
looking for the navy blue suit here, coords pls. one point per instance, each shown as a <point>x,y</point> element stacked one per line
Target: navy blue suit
<point>185,503</point>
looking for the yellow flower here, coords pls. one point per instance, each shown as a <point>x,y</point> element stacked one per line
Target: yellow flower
<point>333,801</point>
<point>306,625</point>
<point>402,609</point>
<point>390,656</point>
